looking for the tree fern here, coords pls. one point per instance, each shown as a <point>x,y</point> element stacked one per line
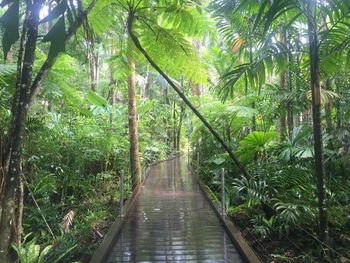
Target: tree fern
<point>188,21</point>
<point>166,44</point>
<point>104,16</point>
<point>164,29</point>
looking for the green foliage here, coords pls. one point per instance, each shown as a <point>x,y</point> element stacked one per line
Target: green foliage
<point>262,227</point>
<point>10,24</point>
<point>251,191</point>
<point>255,144</point>
<point>30,252</point>
<point>56,36</point>
<point>95,99</point>
<point>289,216</point>
<point>255,60</point>
<point>7,75</point>
<point>161,42</point>
<point>102,16</point>
<point>297,145</point>
<point>190,21</point>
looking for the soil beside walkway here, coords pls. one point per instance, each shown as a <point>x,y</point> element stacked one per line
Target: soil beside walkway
<point>172,221</point>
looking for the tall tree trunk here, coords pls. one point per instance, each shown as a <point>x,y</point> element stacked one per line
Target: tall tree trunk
<point>178,134</point>
<point>93,57</point>
<point>282,121</point>
<point>338,108</point>
<point>254,118</point>
<point>290,117</point>
<point>135,166</point>
<point>144,88</point>
<point>317,124</point>
<point>92,54</point>
<point>174,125</point>
<point>148,84</point>
<point>112,96</point>
<point>19,121</point>
<point>283,79</point>
<point>7,150</point>
<point>165,120</point>
<point>197,88</point>
<point>246,89</point>
<point>328,113</point>
<point>2,170</point>
<point>19,230</point>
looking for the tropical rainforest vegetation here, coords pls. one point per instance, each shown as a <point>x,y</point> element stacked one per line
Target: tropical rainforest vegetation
<point>91,88</point>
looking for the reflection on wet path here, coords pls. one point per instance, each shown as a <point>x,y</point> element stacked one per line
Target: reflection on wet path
<point>172,222</point>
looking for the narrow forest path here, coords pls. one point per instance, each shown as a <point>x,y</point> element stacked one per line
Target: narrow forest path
<point>172,221</point>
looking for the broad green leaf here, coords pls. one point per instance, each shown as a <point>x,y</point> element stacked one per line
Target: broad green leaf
<point>242,111</point>
<point>219,160</point>
<point>95,99</point>
<point>57,260</point>
<point>10,23</point>
<point>145,107</point>
<point>85,112</point>
<point>43,253</point>
<point>257,139</point>
<point>255,143</point>
<point>33,252</point>
<point>57,37</point>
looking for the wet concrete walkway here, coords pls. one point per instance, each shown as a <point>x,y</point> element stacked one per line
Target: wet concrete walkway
<point>172,222</point>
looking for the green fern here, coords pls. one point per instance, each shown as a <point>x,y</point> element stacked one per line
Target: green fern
<point>188,21</point>
<point>7,74</point>
<point>164,45</point>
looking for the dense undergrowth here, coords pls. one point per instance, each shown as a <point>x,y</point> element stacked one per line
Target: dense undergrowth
<point>76,147</point>
<point>276,209</point>
<point>72,168</point>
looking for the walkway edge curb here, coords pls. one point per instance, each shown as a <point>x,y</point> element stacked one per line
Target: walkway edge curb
<point>103,249</point>
<point>233,232</point>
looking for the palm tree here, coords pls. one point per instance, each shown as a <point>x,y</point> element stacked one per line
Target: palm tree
<point>321,47</point>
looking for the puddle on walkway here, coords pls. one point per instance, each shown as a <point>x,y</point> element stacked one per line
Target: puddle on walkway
<point>172,222</point>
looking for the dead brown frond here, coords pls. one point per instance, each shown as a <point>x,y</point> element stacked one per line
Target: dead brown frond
<point>67,221</point>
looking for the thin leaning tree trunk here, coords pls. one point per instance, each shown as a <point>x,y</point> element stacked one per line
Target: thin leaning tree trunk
<point>183,97</point>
